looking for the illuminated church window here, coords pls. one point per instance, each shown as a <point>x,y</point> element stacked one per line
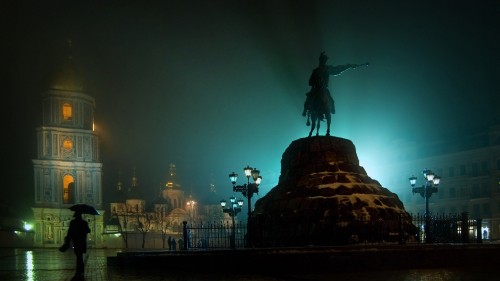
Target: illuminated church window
<point>67,112</point>
<point>68,144</point>
<point>68,190</point>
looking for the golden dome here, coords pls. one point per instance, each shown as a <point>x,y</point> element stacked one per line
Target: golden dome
<point>67,78</point>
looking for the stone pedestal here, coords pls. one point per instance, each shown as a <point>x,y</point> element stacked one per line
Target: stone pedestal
<point>324,197</point>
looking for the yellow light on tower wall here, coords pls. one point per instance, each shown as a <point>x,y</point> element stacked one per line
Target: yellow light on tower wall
<point>67,112</point>
<point>68,144</point>
<point>67,180</point>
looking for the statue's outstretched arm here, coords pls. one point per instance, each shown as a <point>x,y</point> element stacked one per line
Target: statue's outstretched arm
<point>338,69</point>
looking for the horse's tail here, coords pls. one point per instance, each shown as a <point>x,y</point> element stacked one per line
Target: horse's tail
<point>308,123</point>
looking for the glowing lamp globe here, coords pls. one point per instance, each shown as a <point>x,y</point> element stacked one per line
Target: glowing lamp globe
<point>248,171</point>
<point>233,177</point>
<point>413,180</point>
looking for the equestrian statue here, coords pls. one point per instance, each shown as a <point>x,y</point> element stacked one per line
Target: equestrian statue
<point>319,103</point>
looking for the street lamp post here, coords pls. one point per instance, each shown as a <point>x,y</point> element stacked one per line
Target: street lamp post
<point>248,190</point>
<point>233,209</point>
<point>426,191</point>
<point>191,203</point>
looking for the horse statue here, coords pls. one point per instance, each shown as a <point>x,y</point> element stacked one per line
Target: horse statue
<point>319,106</point>
<point>319,103</point>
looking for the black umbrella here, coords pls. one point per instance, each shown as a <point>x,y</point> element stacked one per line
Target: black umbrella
<point>84,209</point>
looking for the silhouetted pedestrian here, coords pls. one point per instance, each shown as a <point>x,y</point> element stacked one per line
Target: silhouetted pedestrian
<point>169,241</point>
<point>181,244</point>
<point>77,234</point>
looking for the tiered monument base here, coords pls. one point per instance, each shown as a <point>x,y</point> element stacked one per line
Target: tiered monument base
<point>324,197</point>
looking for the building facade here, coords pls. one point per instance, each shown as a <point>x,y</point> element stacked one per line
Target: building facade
<point>67,169</point>
<point>469,167</point>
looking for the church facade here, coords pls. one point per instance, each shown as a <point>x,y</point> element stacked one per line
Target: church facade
<point>67,168</point>
<point>149,224</point>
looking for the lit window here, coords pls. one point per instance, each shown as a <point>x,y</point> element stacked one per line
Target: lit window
<point>68,144</point>
<point>68,190</point>
<point>67,112</point>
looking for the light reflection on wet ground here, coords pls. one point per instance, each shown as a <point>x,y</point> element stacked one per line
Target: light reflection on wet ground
<point>50,264</point>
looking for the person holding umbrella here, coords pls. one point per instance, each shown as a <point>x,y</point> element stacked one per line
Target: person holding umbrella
<point>77,233</point>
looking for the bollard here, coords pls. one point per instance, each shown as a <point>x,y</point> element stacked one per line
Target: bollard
<point>465,228</point>
<point>479,223</point>
<point>184,235</point>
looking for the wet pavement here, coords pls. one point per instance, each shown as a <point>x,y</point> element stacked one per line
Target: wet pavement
<point>50,264</point>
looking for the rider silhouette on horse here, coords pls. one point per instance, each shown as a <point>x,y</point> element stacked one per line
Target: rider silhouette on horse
<point>319,103</point>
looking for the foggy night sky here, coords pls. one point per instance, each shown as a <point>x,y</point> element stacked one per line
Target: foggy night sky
<point>215,85</point>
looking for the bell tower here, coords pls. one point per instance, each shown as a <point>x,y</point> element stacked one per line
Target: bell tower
<point>173,192</point>
<point>67,169</point>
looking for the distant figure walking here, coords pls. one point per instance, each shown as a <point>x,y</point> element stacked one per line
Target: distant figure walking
<point>170,243</point>
<point>77,234</point>
<point>319,103</point>
<point>181,244</point>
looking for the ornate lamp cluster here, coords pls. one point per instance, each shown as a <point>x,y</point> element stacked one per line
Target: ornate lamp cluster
<point>234,206</point>
<point>247,190</point>
<point>431,183</point>
<point>430,186</point>
<point>233,209</point>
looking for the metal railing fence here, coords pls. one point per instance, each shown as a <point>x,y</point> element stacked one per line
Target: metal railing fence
<point>443,229</point>
<point>214,235</point>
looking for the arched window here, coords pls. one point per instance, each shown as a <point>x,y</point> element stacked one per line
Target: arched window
<point>68,190</point>
<point>67,111</point>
